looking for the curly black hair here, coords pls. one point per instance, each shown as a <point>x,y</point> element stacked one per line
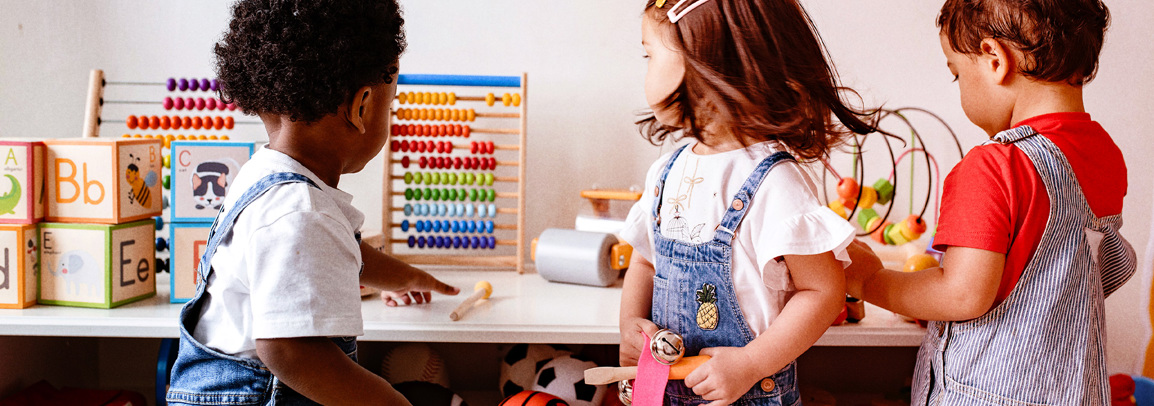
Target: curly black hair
<point>304,58</point>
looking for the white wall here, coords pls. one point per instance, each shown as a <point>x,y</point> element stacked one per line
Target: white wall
<point>585,68</point>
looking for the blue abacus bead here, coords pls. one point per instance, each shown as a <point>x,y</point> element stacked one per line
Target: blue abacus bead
<point>408,209</point>
<point>420,226</point>
<point>481,210</point>
<point>161,244</point>
<point>493,210</point>
<point>437,226</point>
<point>171,84</point>
<point>489,226</point>
<point>183,84</point>
<point>164,202</point>
<point>461,210</point>
<point>419,209</point>
<point>476,242</point>
<point>443,209</point>
<point>159,223</point>
<point>446,225</point>
<point>465,242</point>
<point>429,226</point>
<point>405,225</point>
<point>492,242</point>
<point>421,242</point>
<point>457,242</point>
<point>437,241</point>
<point>412,241</point>
<point>469,210</point>
<point>484,243</point>
<point>456,226</point>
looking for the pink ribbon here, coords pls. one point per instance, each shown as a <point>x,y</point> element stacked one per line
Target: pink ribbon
<point>649,386</point>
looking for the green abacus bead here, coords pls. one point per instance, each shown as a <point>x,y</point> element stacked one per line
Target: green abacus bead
<point>472,195</point>
<point>427,178</point>
<point>452,195</point>
<point>452,179</point>
<point>492,194</point>
<point>462,195</point>
<point>428,193</point>
<point>408,178</point>
<point>436,194</point>
<point>167,182</point>
<point>445,193</point>
<point>408,194</point>
<point>489,179</point>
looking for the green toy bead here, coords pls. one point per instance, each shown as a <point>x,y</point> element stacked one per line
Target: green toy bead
<point>886,234</point>
<point>452,195</point>
<point>472,195</point>
<point>428,193</point>
<point>428,177</point>
<point>452,179</point>
<point>489,179</point>
<point>408,194</point>
<point>167,182</point>
<point>864,217</point>
<point>885,191</point>
<point>436,194</point>
<point>408,178</point>
<point>492,194</point>
<point>462,195</point>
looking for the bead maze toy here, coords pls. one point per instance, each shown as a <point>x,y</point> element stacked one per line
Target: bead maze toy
<point>454,189</point>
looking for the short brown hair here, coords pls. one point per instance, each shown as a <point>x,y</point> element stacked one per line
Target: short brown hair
<point>1061,39</point>
<point>759,68</point>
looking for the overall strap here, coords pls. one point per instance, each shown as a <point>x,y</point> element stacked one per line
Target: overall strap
<point>229,219</point>
<point>658,191</point>
<point>740,204</point>
<point>1007,137</point>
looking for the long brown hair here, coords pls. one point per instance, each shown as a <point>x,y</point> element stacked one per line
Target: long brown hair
<point>759,68</point>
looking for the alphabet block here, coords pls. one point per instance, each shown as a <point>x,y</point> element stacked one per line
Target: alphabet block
<point>19,265</point>
<point>97,265</point>
<point>105,181</point>
<point>201,174</point>
<point>187,242</point>
<point>23,201</point>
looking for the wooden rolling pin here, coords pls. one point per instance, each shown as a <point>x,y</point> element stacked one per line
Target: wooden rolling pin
<point>605,375</point>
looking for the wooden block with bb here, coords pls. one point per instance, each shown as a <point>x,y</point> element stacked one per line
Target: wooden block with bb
<point>187,242</point>
<point>19,265</point>
<point>97,265</point>
<point>202,171</point>
<point>105,181</point>
<point>22,189</point>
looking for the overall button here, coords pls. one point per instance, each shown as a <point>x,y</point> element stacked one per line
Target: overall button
<point>656,190</point>
<point>767,384</point>
<point>738,204</point>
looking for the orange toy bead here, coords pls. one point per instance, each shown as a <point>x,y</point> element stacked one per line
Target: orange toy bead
<point>154,122</point>
<point>516,99</point>
<point>847,188</point>
<point>506,99</point>
<point>489,99</point>
<point>868,197</point>
<point>186,122</point>
<point>838,208</point>
<point>879,235</point>
<point>452,99</point>
<point>916,224</point>
<point>218,122</point>
<point>224,137</point>
<point>466,131</point>
<point>202,137</point>
<point>472,115</point>
<point>229,122</point>
<point>197,123</point>
<point>918,262</point>
<point>165,122</point>
<point>132,122</point>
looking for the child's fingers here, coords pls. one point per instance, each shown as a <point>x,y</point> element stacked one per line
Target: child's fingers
<point>443,288</point>
<point>650,328</point>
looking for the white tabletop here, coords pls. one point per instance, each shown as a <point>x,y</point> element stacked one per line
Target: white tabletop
<point>522,309</point>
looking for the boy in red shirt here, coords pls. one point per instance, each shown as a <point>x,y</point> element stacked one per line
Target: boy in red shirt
<point>1029,221</point>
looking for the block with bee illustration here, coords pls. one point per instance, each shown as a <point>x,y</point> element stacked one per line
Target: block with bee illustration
<point>19,265</point>
<point>103,180</point>
<point>21,181</point>
<point>97,265</point>
<point>202,171</point>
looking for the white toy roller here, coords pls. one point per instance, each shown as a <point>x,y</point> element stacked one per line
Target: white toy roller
<point>580,257</point>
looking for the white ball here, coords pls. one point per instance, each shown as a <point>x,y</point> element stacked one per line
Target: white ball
<point>521,362</point>
<point>564,377</point>
<point>414,362</point>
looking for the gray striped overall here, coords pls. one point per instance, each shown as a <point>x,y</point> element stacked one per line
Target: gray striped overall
<point>1045,344</point>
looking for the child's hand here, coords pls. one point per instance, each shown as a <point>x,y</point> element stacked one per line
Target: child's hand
<point>865,265</point>
<point>405,298</point>
<point>415,286</point>
<point>725,377</point>
<point>632,344</point>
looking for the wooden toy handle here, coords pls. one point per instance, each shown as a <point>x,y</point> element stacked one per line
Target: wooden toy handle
<point>92,110</point>
<point>480,291</point>
<point>606,375</point>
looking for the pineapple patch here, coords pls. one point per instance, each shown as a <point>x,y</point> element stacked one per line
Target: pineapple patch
<point>707,307</point>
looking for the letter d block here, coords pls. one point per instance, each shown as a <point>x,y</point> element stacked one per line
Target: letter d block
<point>202,172</point>
<point>106,181</point>
<point>188,242</point>
<point>19,265</point>
<point>21,182</point>
<point>97,265</point>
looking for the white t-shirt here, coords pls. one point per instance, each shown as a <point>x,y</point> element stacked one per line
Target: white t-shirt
<point>784,217</point>
<point>289,268</point>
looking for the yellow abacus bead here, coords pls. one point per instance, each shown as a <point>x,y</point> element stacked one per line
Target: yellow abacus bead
<point>428,98</point>
<point>489,99</point>
<point>420,98</point>
<point>166,161</point>
<point>455,115</point>
<point>202,137</point>
<point>869,196</point>
<point>169,137</point>
<point>401,98</point>
<point>126,136</point>
<point>438,114</point>
<point>506,99</point>
<point>452,99</point>
<point>412,98</point>
<point>517,99</point>
<point>838,208</point>
<point>423,115</point>
<point>213,137</point>
<point>181,137</point>
<point>443,99</point>
<point>136,136</point>
<point>472,115</point>
<point>224,137</point>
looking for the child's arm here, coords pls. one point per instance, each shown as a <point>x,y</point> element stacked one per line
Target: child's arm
<point>319,370</point>
<point>820,297</point>
<point>636,303</point>
<point>391,275</point>
<point>963,288</point>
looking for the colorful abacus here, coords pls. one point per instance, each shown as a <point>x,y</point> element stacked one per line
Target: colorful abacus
<point>175,102</point>
<point>451,198</point>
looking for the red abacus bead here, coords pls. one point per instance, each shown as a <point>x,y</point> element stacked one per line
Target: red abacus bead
<point>404,145</point>
<point>424,162</point>
<point>394,146</point>
<point>186,122</point>
<point>476,162</point>
<point>131,122</point>
<point>407,129</point>
<point>484,164</point>
<point>436,131</point>
<point>420,130</point>
<point>231,106</point>
<point>492,163</point>
<point>165,122</point>
<point>490,147</point>
<point>167,103</point>
<point>457,163</point>
<point>394,129</point>
<point>405,161</point>
<point>456,130</point>
<point>229,122</point>
<point>210,104</point>
<point>444,130</point>
<point>473,147</point>
<point>428,130</point>
<point>448,146</point>
<point>446,162</point>
<point>420,147</point>
<point>465,131</point>
<point>189,103</point>
<point>197,123</point>
<point>178,103</point>
<point>200,103</point>
<point>218,122</point>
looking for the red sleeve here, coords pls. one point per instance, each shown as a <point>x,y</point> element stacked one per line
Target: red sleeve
<point>976,203</point>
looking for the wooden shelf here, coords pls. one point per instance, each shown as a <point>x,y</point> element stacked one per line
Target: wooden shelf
<point>522,309</point>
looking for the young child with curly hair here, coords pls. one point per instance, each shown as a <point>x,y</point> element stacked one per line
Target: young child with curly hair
<point>277,307</point>
<point>1029,220</point>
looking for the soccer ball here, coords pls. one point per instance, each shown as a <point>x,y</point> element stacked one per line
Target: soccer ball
<point>520,365</point>
<point>564,377</point>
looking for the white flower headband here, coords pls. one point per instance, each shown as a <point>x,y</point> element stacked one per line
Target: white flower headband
<point>673,15</point>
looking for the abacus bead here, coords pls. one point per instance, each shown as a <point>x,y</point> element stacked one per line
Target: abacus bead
<point>394,146</point>
<point>466,131</point>
<point>446,225</point>
<point>200,103</point>
<point>473,148</point>
<point>183,84</point>
<point>421,242</point>
<point>489,226</point>
<point>231,106</point>
<point>420,226</point>
<point>218,122</point>
<point>197,123</point>
<point>194,85</point>
<point>468,210</point>
<point>452,195</point>
<point>418,194</point>
<point>484,164</point>
<point>189,103</point>
<point>442,209</point>
<point>412,241</point>
<point>517,99</point>
<point>456,163</point>
<point>405,161</point>
<point>492,242</point>
<point>167,103</point>
<point>210,103</point>
<point>229,122</point>
<point>437,226</point>
<point>466,242</point>
<point>472,195</point>
<point>493,210</point>
<point>405,225</point>
<point>171,84</point>
<point>476,242</point>
<point>489,99</point>
<point>165,123</point>
<point>408,178</point>
<point>408,194</point>
<point>492,194</point>
<point>481,211</point>
<point>484,242</point>
<point>408,209</point>
<point>131,122</point>
<point>424,162</point>
<point>426,178</point>
<point>215,85</point>
<point>471,226</point>
<point>154,122</point>
<point>178,103</point>
<point>204,84</point>
<point>506,99</point>
<point>492,163</point>
<point>472,116</point>
<point>457,242</point>
<point>452,178</point>
<point>489,179</point>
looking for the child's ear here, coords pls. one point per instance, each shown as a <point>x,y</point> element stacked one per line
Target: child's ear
<point>997,61</point>
<point>357,106</point>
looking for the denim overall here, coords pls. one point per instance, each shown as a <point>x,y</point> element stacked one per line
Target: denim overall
<point>684,271</point>
<point>203,376</point>
<point>1045,344</point>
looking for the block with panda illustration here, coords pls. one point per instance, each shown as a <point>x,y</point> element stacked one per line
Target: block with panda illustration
<point>97,265</point>
<point>22,186</point>
<point>187,242</point>
<point>19,265</point>
<point>103,180</point>
<point>201,174</point>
